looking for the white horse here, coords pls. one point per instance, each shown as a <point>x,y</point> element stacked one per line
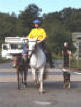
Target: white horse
<point>37,62</point>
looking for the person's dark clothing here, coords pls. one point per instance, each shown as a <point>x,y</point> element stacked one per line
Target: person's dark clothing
<point>66,57</point>
<point>42,45</point>
<point>49,58</point>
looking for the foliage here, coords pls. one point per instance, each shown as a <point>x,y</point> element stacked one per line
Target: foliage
<point>2,60</point>
<point>75,63</point>
<point>59,26</point>
<point>28,15</point>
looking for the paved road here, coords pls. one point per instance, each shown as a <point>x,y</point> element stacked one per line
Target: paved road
<point>5,66</point>
<point>56,63</point>
<point>55,95</point>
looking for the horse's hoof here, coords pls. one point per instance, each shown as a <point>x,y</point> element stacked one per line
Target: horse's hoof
<point>18,88</point>
<point>42,91</point>
<point>25,85</point>
<point>36,84</point>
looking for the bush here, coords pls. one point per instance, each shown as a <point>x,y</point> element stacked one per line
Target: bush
<point>75,63</point>
<point>3,60</point>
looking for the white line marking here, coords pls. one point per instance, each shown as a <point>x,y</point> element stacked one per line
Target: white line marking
<point>42,102</point>
<point>76,72</point>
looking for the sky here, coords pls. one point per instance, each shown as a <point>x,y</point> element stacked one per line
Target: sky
<point>9,6</point>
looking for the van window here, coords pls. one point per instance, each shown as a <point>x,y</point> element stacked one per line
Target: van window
<point>5,47</point>
<point>16,46</point>
<point>19,46</point>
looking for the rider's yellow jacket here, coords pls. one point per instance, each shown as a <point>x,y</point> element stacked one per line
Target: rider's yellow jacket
<point>37,33</point>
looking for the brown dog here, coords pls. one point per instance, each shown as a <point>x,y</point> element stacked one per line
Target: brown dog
<point>66,76</point>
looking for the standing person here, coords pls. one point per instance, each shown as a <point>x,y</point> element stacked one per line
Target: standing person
<point>38,32</point>
<point>66,52</point>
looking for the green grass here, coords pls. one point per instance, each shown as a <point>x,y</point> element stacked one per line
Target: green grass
<point>54,56</point>
<point>75,63</point>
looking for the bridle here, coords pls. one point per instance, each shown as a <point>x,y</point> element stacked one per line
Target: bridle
<point>32,51</point>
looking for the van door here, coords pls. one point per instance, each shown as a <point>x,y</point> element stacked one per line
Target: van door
<point>5,48</point>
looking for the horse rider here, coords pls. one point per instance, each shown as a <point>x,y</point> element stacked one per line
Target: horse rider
<point>25,50</point>
<point>39,33</point>
<point>25,53</point>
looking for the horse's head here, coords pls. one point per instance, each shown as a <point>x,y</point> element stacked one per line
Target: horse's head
<point>31,46</point>
<point>16,59</point>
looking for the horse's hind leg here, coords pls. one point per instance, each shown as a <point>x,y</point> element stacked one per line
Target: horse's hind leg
<point>22,77</point>
<point>18,79</point>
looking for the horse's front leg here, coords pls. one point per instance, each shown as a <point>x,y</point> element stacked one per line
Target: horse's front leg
<point>34,76</point>
<point>41,73</point>
<point>25,77</point>
<point>17,70</point>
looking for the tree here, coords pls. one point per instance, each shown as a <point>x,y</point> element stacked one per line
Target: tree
<point>58,25</point>
<point>57,30</point>
<point>28,15</point>
<point>13,14</point>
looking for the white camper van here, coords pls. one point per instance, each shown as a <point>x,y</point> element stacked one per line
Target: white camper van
<point>12,45</point>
